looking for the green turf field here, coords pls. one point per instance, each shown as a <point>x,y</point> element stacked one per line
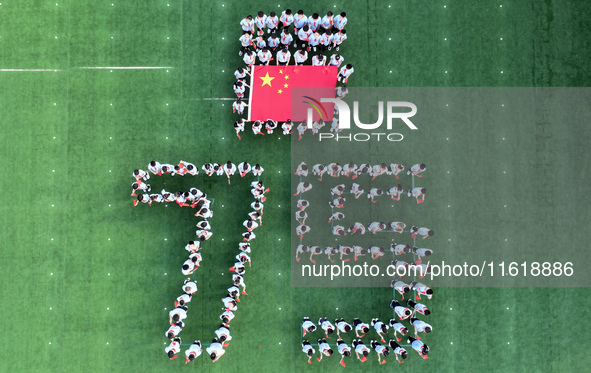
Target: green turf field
<point>84,284</point>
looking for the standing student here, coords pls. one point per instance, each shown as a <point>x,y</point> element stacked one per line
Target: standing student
<point>421,289</point>
<point>338,38</point>
<point>344,250</point>
<point>241,73</point>
<point>380,350</point>
<point>155,168</point>
<point>360,327</point>
<point>319,170</point>
<point>301,129</point>
<point>323,349</point>
<point>314,22</point>
<point>302,204</point>
<point>259,43</point>
<point>349,169</point>
<point>173,349</point>
<point>360,348</point>
<point>398,328</point>
<point>299,21</point>
<point>286,38</point>
<point>330,252</point>
<point>257,128</point>
<point>376,252</point>
<point>318,60</point>
<point>340,21</point>
<point>286,127</point>
<point>334,169</point>
<point>244,168</point>
<point>141,174</point>
<point>240,88</point>
<point>183,299</point>
<point>215,350</point>
<point>398,351</point>
<point>227,316</point>
<point>286,19</point>
<point>144,198</point>
<point>344,350</point>
<point>398,227</point>
<point>342,326</point>
<point>425,232</point>
<point>174,330</point>
<point>139,185</point>
<point>418,192</point>
<point>273,41</point>
<point>177,314</point>
<point>246,42</point>
<point>194,351</point>
<point>301,230</point>
<point>420,326</point>
<point>247,25</point>
<point>338,230</point>
<point>357,228</point>
<point>190,287</point>
<point>270,126</point>
<point>380,328</point>
<point>356,190</point>
<point>336,216</point>
<point>249,58</point>
<point>374,192</point>
<point>303,37</point>
<point>265,56</point>
<point>416,169</point>
<point>223,334</point>
<point>401,287</point>
<point>326,40</point>
<point>303,187</point>
<point>421,348</point>
<point>308,350</point>
<point>300,57</point>
<point>239,281</point>
<point>421,253</point>
<point>345,72</point>
<point>376,227</point>
<point>336,60</point>
<point>337,190</point>
<point>395,192</point>
<point>260,21</point>
<point>403,313</point>
<point>326,326</point>
<point>418,307</point>
<point>301,216</point>
<point>272,22</point>
<point>314,40</point>
<point>396,168</point>
<point>307,326</point>
<point>257,170</point>
<point>283,57</point>
<point>238,106</point>
<point>327,22</point>
<point>317,125</point>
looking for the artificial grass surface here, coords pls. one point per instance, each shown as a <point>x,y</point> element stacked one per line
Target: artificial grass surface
<point>544,44</point>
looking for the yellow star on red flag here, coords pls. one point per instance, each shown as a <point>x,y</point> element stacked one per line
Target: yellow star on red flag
<point>286,85</point>
<point>267,79</point>
<point>286,77</point>
<point>280,91</point>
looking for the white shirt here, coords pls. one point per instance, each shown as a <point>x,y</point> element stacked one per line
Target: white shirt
<point>190,287</point>
<point>283,57</point>
<point>194,349</point>
<point>346,72</point>
<point>178,311</point>
<point>174,346</point>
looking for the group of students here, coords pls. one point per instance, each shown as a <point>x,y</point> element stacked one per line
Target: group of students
<point>309,34</point>
<point>193,198</point>
<point>258,127</point>
<point>230,301</point>
<point>394,192</point>
<point>360,328</point>
<point>352,170</point>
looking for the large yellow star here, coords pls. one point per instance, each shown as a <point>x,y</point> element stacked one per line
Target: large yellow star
<point>267,79</point>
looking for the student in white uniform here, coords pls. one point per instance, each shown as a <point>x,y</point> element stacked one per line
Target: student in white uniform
<point>193,352</point>
<point>173,349</point>
<point>215,350</point>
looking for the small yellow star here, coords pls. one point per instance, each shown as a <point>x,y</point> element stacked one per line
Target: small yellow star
<point>267,79</point>
<point>286,85</point>
<point>280,91</point>
<point>286,77</point>
<point>280,71</point>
